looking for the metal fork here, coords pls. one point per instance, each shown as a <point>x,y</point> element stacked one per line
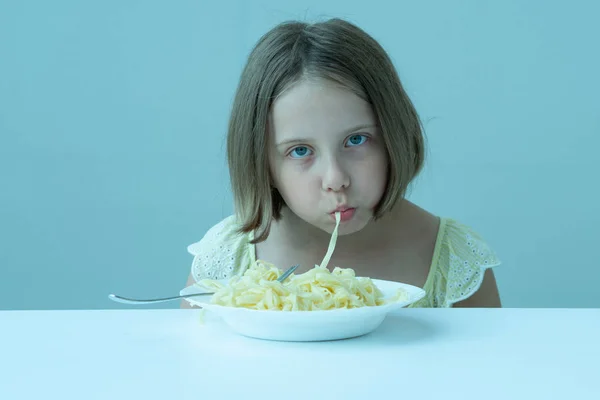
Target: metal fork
<point>126,300</point>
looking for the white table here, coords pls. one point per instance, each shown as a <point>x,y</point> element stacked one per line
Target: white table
<point>418,354</point>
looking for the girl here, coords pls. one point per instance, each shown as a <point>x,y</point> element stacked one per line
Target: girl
<point>321,123</point>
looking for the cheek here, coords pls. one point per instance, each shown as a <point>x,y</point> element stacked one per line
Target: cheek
<point>294,182</point>
<point>372,169</point>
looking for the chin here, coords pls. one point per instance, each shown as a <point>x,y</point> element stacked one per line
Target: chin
<point>351,228</point>
<point>346,228</point>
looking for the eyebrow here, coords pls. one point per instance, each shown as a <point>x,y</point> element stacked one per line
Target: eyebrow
<point>346,131</point>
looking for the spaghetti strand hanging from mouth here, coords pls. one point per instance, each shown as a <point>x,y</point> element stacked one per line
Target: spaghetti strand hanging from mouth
<point>332,241</point>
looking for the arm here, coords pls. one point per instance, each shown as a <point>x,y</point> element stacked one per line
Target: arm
<point>487,296</point>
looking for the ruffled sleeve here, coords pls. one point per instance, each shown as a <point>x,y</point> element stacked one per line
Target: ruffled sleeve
<point>458,266</point>
<point>222,252</point>
<point>467,256</point>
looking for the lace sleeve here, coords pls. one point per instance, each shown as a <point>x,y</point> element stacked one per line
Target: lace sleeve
<point>221,253</point>
<point>468,256</point>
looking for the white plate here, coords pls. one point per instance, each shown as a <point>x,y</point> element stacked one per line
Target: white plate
<point>305,326</point>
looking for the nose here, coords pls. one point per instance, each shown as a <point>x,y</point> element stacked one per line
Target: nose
<point>335,177</point>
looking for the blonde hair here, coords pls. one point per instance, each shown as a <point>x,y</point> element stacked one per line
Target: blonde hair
<point>335,50</point>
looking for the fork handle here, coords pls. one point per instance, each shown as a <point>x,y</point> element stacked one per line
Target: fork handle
<point>126,300</point>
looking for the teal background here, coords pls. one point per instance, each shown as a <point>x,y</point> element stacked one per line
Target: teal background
<point>113,118</point>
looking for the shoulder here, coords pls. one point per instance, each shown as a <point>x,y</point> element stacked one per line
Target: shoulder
<point>223,231</point>
<point>464,260</point>
<point>222,252</point>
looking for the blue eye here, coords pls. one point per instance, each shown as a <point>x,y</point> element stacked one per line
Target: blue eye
<point>356,140</point>
<point>300,152</point>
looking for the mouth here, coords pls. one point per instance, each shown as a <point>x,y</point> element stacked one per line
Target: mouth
<point>341,209</point>
<point>346,213</point>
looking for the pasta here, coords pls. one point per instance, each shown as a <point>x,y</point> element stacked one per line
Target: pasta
<point>316,289</point>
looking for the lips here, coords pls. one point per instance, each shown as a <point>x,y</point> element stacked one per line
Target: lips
<point>346,213</point>
<point>341,209</point>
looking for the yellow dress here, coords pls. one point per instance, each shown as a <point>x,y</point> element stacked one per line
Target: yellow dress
<point>459,260</point>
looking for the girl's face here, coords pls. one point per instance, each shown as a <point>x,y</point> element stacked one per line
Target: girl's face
<point>327,154</point>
